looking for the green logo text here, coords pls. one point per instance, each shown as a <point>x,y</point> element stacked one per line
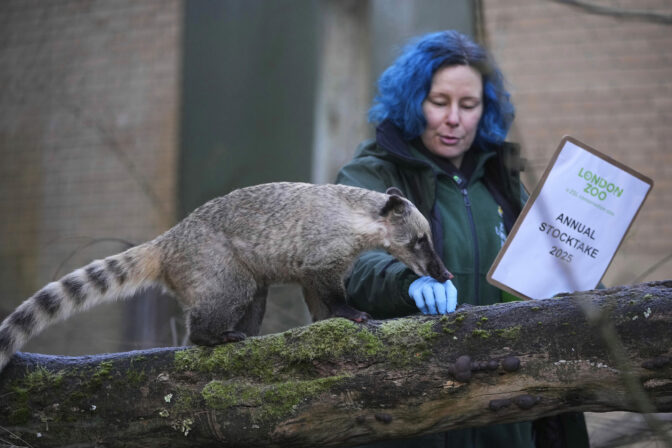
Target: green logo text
<point>598,186</point>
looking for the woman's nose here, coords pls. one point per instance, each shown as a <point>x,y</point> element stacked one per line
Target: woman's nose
<point>453,116</point>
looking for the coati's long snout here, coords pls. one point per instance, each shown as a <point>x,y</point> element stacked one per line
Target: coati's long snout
<point>438,271</point>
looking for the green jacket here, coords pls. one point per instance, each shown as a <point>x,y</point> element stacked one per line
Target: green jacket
<point>468,223</point>
<point>470,216</point>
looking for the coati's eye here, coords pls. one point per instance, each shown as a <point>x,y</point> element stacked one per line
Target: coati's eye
<point>419,241</point>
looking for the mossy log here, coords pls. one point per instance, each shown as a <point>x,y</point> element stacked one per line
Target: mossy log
<point>337,383</point>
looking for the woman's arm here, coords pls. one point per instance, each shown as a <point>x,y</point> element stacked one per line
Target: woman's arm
<point>378,283</point>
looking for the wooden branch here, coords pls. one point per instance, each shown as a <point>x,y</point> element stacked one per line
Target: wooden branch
<point>338,383</point>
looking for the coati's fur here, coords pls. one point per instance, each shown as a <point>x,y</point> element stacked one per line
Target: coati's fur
<point>220,260</point>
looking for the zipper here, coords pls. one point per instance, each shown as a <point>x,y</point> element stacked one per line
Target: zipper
<point>472,225</point>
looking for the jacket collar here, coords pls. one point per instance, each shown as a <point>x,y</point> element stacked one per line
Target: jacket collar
<point>389,138</point>
<point>502,164</point>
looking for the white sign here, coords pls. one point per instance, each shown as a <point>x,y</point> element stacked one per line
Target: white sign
<point>572,225</point>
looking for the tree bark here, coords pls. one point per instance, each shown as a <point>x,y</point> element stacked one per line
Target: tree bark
<point>337,383</point>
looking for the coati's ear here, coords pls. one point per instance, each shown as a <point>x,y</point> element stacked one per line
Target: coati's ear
<point>394,191</point>
<point>395,204</point>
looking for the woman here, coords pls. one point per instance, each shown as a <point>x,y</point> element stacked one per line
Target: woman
<point>442,114</point>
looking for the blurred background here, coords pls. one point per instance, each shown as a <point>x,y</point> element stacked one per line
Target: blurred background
<point>119,117</point>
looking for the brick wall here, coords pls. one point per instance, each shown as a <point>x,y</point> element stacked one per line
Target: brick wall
<point>605,81</point>
<point>88,141</point>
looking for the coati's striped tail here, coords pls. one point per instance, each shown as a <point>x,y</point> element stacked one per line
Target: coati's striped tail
<point>116,277</point>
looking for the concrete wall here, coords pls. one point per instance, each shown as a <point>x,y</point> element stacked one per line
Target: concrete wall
<point>88,128</point>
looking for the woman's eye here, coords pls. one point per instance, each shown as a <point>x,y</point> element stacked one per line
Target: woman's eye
<point>470,106</point>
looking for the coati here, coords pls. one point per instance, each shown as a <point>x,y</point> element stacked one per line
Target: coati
<point>220,260</point>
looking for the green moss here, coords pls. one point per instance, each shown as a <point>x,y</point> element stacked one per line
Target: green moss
<point>408,340</point>
<point>41,378</point>
<point>185,401</point>
<point>297,348</point>
<point>403,330</point>
<point>458,319</point>
<point>295,353</point>
<point>18,403</point>
<point>509,333</point>
<point>426,331</point>
<point>20,415</point>
<point>252,356</point>
<point>77,397</point>
<point>135,377</point>
<point>220,395</point>
<point>480,333</point>
<point>32,386</point>
<point>332,338</point>
<point>265,401</point>
<point>102,372</point>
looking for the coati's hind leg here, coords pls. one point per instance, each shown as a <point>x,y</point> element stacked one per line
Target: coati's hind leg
<point>205,328</point>
<point>326,300</point>
<point>227,315</point>
<point>250,323</point>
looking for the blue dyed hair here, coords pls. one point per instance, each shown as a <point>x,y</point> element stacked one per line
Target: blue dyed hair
<point>403,87</point>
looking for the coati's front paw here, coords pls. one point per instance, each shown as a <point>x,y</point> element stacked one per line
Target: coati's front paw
<point>209,340</point>
<point>349,312</point>
<point>361,317</point>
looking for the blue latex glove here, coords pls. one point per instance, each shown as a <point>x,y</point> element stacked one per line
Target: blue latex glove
<point>432,297</point>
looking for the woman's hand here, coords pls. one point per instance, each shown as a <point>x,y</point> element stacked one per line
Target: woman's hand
<point>432,297</point>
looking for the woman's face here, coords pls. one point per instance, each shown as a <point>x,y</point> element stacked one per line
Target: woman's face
<point>453,108</point>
